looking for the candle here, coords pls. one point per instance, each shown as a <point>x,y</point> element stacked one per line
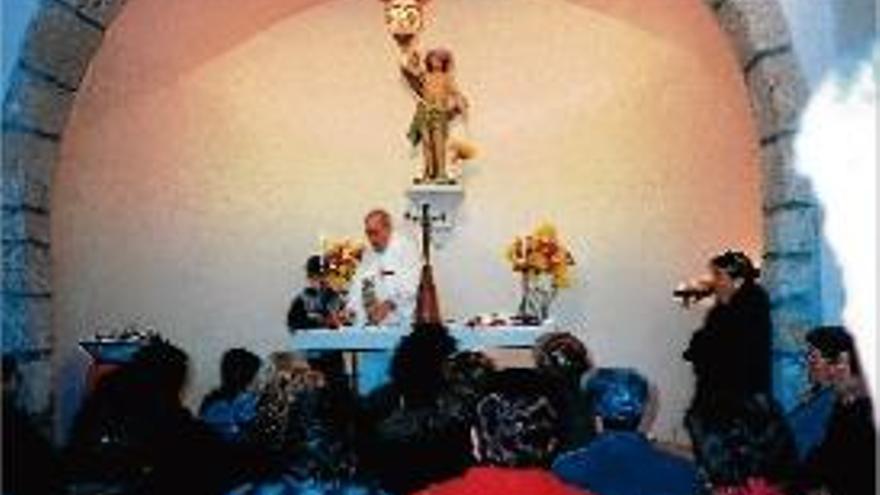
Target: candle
<point>322,249</point>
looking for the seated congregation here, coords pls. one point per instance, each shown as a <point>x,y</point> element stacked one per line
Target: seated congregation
<point>452,422</point>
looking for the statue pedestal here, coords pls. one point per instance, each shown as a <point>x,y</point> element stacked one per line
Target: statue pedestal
<point>443,201</point>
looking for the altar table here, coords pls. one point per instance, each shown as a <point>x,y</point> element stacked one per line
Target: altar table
<point>386,338</point>
<point>383,339</point>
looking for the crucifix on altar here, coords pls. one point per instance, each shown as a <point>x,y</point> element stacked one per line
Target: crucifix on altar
<point>427,305</point>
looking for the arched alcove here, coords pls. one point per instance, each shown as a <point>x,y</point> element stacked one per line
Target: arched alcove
<point>65,35</point>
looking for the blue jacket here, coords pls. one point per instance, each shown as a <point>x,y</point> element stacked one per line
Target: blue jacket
<point>229,417</point>
<point>626,463</point>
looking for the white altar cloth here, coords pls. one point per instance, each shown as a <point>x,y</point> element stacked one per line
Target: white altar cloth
<point>370,348</point>
<point>357,339</point>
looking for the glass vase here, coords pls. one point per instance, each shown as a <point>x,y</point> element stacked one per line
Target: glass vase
<point>538,292</point>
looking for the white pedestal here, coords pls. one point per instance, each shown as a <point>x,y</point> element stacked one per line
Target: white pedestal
<point>443,201</point>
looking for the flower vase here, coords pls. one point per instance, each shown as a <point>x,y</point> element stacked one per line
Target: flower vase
<point>538,292</point>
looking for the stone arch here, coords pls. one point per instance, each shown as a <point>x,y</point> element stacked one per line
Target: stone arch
<point>762,43</point>
<point>64,35</point>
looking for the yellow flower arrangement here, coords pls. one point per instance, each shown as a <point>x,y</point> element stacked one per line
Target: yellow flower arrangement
<point>541,253</point>
<point>341,259</point>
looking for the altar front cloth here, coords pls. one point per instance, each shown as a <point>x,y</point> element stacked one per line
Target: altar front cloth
<point>386,338</point>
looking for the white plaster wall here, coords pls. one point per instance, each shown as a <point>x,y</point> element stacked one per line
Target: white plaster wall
<point>188,201</point>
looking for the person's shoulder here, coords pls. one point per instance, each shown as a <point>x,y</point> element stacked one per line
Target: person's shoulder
<point>754,293</point>
<point>302,295</point>
<point>858,410</point>
<point>574,461</point>
<point>246,399</point>
<point>673,460</point>
<point>211,399</point>
<point>605,448</point>
<point>329,294</point>
<point>402,242</point>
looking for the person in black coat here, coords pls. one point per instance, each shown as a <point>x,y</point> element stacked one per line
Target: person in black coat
<point>31,464</point>
<point>135,433</point>
<point>730,353</point>
<point>318,306</point>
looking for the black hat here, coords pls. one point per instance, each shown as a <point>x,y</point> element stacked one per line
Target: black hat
<point>314,266</point>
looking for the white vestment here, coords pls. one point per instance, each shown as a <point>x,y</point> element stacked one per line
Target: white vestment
<point>394,276</point>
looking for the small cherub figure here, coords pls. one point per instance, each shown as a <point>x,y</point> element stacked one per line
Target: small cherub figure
<point>438,103</point>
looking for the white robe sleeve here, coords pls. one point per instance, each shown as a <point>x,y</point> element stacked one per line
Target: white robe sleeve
<point>355,303</point>
<point>402,291</point>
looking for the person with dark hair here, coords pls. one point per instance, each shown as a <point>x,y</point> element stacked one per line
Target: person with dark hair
<point>822,356</point>
<point>466,374</point>
<point>129,410</point>
<point>229,409</point>
<point>135,423</point>
<point>468,369</point>
<point>563,354</point>
<point>416,372</point>
<point>418,363</point>
<point>31,464</point>
<point>620,460</point>
<point>296,422</point>
<point>319,306</point>
<point>514,437</point>
<point>565,360</point>
<point>417,447</point>
<point>743,446</point>
<point>307,448</point>
<point>841,441</point>
<point>415,417</point>
<point>730,354</point>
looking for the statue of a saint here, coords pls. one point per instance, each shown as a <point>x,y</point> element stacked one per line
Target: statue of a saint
<point>438,103</point>
<point>438,99</point>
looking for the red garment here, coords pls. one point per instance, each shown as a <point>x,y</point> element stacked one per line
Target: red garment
<point>503,481</point>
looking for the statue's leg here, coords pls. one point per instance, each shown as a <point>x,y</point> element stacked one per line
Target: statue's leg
<point>438,152</point>
<point>426,159</point>
<point>431,155</point>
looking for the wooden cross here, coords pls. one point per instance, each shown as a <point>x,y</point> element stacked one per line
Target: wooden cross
<point>425,219</point>
<point>427,306</point>
<point>425,223</point>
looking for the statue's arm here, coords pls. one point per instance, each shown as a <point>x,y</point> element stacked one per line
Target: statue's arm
<point>412,71</point>
<point>460,103</point>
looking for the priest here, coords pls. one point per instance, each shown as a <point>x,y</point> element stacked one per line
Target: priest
<point>383,291</point>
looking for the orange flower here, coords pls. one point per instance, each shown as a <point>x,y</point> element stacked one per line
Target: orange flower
<point>341,259</point>
<point>541,253</point>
